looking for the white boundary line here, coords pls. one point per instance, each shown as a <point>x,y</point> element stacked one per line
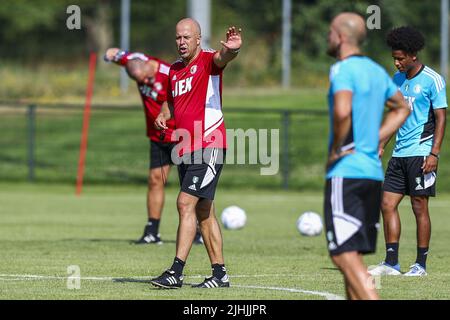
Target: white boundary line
<point>327,295</point>
<point>25,277</point>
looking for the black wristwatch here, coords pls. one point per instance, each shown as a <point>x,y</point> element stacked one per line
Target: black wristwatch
<point>434,155</point>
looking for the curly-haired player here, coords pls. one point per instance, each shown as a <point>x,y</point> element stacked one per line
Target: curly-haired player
<point>412,169</point>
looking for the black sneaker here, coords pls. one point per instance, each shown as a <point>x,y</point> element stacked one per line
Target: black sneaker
<point>198,238</point>
<point>213,282</point>
<point>168,280</point>
<point>149,237</point>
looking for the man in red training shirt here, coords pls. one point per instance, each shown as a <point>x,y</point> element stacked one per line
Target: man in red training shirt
<point>194,100</point>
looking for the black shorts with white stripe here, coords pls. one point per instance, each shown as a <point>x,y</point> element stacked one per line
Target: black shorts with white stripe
<point>352,214</point>
<point>404,175</point>
<point>199,172</point>
<point>160,154</point>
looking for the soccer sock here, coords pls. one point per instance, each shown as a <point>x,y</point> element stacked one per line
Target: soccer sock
<point>391,253</point>
<point>218,270</point>
<point>422,254</point>
<point>177,266</point>
<point>152,226</point>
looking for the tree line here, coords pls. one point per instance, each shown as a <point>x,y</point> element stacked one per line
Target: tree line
<point>35,31</point>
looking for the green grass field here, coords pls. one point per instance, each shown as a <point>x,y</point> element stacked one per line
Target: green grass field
<point>46,228</point>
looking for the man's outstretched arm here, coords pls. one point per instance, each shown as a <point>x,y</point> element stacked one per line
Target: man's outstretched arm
<point>121,57</point>
<point>115,55</point>
<point>230,48</point>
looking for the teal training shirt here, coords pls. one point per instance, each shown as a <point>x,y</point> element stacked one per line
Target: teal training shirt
<point>371,87</point>
<point>424,92</point>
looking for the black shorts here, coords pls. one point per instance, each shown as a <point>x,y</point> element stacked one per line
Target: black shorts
<point>352,214</point>
<point>199,172</point>
<point>404,176</point>
<point>160,154</point>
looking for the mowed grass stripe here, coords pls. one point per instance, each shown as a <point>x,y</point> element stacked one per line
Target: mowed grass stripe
<point>44,229</point>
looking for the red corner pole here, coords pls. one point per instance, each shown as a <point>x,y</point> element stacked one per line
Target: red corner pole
<point>86,116</point>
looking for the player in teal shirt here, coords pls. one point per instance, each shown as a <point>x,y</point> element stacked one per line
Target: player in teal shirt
<point>424,92</point>
<point>359,90</point>
<point>412,169</point>
<point>371,89</point>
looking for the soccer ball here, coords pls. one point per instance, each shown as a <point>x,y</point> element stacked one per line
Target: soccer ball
<point>309,224</point>
<point>233,218</point>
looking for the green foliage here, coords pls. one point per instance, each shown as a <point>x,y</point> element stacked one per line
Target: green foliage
<point>22,16</point>
<point>153,27</point>
<point>40,26</point>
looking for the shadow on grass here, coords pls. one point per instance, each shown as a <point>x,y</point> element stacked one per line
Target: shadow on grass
<point>330,268</point>
<point>146,281</point>
<point>126,280</point>
<point>130,241</point>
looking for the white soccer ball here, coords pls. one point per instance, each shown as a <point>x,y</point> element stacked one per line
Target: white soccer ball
<point>309,224</point>
<point>233,218</point>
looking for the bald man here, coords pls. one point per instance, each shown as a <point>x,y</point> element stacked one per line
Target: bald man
<point>359,90</point>
<point>195,102</point>
<point>151,76</point>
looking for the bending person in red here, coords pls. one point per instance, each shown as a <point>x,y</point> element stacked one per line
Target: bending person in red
<point>151,76</point>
